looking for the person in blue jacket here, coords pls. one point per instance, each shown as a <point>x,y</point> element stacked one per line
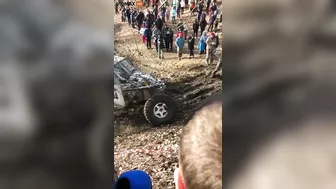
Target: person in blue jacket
<point>201,45</point>
<point>179,44</point>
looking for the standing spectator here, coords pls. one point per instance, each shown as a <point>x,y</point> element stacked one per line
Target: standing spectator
<point>199,14</point>
<point>180,26</point>
<point>123,14</point>
<point>191,44</point>
<point>211,22</point>
<point>159,23</point>
<point>132,16</point>
<point>203,24</point>
<point>208,2</point>
<point>186,2</point>
<point>185,30</point>
<point>200,7</point>
<point>170,38</point>
<point>173,14</point>
<point>128,15</point>
<point>167,15</point>
<point>182,6</point>
<point>155,11</point>
<point>210,45</point>
<point>140,18</point>
<point>180,32</point>
<point>150,20</point>
<point>179,44</point>
<point>156,38</point>
<point>163,14</point>
<point>175,2</point>
<point>178,10</point>
<point>213,7</point>
<point>148,33</point>
<point>192,6</point>
<point>164,34</point>
<point>205,37</point>
<point>203,15</point>
<point>142,33</point>
<point>195,28</point>
<point>201,45</point>
<point>160,46</point>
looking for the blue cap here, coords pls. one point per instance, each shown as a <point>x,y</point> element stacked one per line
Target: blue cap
<point>135,179</point>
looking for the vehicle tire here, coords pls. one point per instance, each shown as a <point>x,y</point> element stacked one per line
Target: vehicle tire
<point>160,109</point>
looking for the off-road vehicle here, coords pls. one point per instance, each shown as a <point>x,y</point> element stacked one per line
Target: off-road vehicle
<point>133,87</point>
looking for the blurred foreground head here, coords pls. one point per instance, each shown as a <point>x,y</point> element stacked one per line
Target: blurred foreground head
<point>278,114</point>
<point>200,157</point>
<point>55,69</point>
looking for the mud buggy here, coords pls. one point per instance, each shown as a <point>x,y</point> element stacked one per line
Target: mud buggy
<point>133,87</point>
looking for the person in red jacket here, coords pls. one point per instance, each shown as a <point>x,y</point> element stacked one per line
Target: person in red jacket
<point>180,32</point>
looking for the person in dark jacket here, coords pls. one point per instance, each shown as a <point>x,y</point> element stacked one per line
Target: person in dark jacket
<point>170,39</point>
<point>133,14</point>
<point>191,44</point>
<point>164,35</point>
<point>148,34</point>
<point>180,26</point>
<point>156,11</point>
<point>123,14</point>
<point>199,13</point>
<point>160,46</point>
<point>178,10</point>
<point>128,15</point>
<point>159,23</point>
<point>203,24</point>
<point>213,7</point>
<point>140,18</point>
<point>195,28</point>
<point>149,20</point>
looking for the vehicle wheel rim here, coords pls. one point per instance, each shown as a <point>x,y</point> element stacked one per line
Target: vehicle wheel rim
<point>160,110</point>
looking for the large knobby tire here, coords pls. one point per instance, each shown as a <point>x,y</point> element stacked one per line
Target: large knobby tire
<point>160,109</point>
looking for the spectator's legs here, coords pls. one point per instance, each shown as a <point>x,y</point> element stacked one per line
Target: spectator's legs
<point>166,44</point>
<point>147,43</point>
<point>161,52</point>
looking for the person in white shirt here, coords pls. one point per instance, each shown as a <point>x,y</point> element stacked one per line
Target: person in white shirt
<point>182,6</point>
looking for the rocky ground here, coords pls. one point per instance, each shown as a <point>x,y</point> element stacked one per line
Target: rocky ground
<point>136,144</point>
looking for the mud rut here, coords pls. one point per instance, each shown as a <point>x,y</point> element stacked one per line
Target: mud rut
<point>188,82</point>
